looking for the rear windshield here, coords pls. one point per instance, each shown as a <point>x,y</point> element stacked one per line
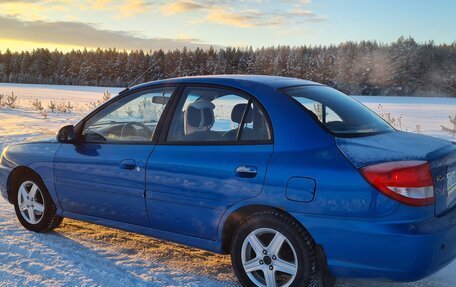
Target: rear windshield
<point>339,113</point>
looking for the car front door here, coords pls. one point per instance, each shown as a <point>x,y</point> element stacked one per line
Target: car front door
<point>102,174</point>
<point>214,154</point>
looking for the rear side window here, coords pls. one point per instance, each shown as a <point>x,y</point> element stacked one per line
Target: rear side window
<point>206,114</point>
<point>339,113</point>
<point>255,127</point>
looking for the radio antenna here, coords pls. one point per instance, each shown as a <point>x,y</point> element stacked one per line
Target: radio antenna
<point>139,77</point>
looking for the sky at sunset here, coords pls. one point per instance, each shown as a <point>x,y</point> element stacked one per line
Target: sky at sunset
<point>134,24</point>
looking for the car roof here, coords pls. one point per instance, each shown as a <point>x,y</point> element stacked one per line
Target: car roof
<point>274,82</point>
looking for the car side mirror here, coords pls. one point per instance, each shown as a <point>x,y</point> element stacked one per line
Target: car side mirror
<point>66,134</point>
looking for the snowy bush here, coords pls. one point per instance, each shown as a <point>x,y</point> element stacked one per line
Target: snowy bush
<point>37,105</point>
<point>91,106</point>
<point>11,101</point>
<point>52,106</point>
<point>396,122</point>
<point>61,108</point>
<point>105,98</point>
<point>130,112</point>
<point>451,130</point>
<point>69,107</point>
<point>44,113</point>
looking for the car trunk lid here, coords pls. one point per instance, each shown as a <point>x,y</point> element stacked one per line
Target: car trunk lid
<point>402,146</point>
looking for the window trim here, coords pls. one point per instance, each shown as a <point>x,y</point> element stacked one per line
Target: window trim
<point>79,128</point>
<point>243,119</point>
<point>163,139</point>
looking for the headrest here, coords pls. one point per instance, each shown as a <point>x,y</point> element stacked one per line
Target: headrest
<point>238,112</point>
<point>200,113</point>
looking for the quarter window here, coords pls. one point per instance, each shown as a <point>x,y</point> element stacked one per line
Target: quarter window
<point>324,113</point>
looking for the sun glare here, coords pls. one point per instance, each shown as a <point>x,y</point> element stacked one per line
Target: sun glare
<point>14,45</point>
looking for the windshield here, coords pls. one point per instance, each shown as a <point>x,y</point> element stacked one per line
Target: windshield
<point>339,113</point>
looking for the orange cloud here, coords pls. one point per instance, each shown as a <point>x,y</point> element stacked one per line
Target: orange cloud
<point>68,33</point>
<point>178,7</point>
<point>32,10</point>
<point>130,8</point>
<point>100,4</point>
<point>221,16</point>
<point>244,15</point>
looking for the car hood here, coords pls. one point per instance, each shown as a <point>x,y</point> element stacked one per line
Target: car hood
<point>398,145</point>
<point>45,138</point>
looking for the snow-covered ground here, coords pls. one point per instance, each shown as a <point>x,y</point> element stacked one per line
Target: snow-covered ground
<point>82,254</point>
<point>425,114</point>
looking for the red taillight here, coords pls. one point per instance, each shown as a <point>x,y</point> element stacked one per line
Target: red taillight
<point>409,182</point>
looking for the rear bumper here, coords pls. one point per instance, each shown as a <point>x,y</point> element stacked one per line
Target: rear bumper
<point>4,174</point>
<point>404,251</point>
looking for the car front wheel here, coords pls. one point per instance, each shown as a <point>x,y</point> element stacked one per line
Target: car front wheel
<point>272,250</point>
<point>34,206</point>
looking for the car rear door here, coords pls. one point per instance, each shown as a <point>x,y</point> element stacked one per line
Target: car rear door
<point>103,173</point>
<point>192,180</point>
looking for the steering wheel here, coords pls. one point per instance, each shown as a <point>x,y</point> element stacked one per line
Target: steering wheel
<point>91,136</point>
<point>129,129</point>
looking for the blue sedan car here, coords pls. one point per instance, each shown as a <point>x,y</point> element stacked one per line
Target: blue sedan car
<point>294,179</point>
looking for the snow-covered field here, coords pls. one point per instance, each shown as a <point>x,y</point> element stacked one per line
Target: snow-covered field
<point>426,114</point>
<point>82,254</point>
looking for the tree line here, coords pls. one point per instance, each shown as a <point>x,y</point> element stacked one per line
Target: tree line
<point>403,67</point>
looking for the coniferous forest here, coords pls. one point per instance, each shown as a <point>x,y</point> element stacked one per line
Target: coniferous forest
<point>404,67</point>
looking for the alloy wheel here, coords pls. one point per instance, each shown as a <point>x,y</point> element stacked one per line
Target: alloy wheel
<point>269,259</point>
<point>31,202</point>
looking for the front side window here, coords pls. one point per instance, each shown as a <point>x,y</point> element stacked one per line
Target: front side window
<point>132,119</point>
<point>214,114</point>
<point>339,113</point>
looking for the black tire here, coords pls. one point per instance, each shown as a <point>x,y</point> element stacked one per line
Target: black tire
<point>49,219</point>
<point>307,266</point>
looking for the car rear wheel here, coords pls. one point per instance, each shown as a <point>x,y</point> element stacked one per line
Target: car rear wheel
<point>272,250</point>
<point>34,206</point>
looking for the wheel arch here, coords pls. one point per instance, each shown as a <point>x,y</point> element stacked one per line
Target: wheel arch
<point>237,217</point>
<point>15,176</point>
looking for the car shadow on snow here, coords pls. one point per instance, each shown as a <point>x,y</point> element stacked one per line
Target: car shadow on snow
<point>132,250</point>
<point>149,259</point>
<point>85,254</point>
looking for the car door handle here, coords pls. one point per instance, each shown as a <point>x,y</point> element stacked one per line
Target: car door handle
<point>128,164</point>
<point>248,171</point>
